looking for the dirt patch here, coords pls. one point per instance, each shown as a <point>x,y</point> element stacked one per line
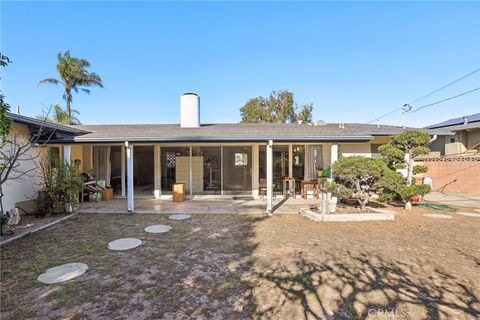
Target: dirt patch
<point>242,266</point>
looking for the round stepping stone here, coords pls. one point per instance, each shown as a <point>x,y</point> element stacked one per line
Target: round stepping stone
<point>63,273</point>
<point>469,214</point>
<point>180,216</point>
<point>437,216</point>
<point>124,244</point>
<point>158,228</point>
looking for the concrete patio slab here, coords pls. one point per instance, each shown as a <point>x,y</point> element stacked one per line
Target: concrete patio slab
<point>179,216</point>
<point>63,273</point>
<point>159,228</point>
<point>222,205</point>
<point>124,244</point>
<point>454,199</point>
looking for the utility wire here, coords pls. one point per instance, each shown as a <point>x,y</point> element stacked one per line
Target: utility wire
<point>445,86</point>
<point>428,95</point>
<point>446,99</point>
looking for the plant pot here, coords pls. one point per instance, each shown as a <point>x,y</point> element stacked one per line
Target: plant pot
<point>349,201</point>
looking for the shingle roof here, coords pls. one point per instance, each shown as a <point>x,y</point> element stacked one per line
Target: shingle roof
<point>234,132</point>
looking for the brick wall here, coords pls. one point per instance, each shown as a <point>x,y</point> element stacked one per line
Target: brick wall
<point>460,175</point>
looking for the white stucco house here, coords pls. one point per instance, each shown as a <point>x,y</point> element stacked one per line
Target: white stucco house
<point>145,160</point>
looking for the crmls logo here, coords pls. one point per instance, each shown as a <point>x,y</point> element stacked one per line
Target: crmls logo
<point>388,314</point>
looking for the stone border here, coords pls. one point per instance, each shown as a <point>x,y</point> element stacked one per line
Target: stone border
<point>37,229</point>
<point>348,217</point>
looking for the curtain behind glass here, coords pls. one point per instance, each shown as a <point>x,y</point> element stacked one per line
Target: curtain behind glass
<point>101,163</point>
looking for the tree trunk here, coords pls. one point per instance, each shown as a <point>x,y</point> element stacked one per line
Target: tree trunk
<point>409,168</point>
<point>408,205</point>
<point>68,100</point>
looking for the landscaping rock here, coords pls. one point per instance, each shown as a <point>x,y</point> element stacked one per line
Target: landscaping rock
<point>124,244</point>
<point>179,216</point>
<point>159,228</point>
<point>63,273</point>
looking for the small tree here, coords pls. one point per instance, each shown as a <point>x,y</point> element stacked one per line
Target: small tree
<point>363,176</point>
<point>400,152</point>
<point>408,192</point>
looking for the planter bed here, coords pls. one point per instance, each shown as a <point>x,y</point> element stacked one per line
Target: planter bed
<point>348,214</point>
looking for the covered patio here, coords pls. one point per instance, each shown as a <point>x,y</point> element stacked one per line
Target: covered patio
<point>235,205</point>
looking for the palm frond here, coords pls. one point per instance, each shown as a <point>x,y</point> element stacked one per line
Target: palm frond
<point>85,90</point>
<point>50,80</point>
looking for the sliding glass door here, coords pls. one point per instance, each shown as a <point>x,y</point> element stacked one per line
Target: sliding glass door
<point>237,170</point>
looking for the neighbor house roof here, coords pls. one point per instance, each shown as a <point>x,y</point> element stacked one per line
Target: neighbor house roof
<point>233,132</point>
<point>459,124</point>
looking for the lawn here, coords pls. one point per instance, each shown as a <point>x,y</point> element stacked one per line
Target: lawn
<point>249,266</point>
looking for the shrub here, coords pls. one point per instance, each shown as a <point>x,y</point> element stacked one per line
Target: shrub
<point>62,185</point>
<point>336,189</point>
<point>363,176</point>
<point>408,192</point>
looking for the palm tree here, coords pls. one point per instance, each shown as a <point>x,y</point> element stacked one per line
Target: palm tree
<point>74,76</point>
<point>60,116</point>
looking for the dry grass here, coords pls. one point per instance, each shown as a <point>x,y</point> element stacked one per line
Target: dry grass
<point>230,267</point>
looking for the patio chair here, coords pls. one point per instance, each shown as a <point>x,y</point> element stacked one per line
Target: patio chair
<point>262,188</point>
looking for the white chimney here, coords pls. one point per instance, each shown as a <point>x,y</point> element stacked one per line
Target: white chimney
<point>189,110</point>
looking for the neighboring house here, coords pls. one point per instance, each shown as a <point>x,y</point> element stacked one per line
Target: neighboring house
<point>454,163</point>
<point>464,138</point>
<point>212,159</point>
<point>23,128</point>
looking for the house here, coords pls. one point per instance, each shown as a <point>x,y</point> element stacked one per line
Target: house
<point>465,138</point>
<point>25,178</point>
<point>454,163</point>
<point>145,160</point>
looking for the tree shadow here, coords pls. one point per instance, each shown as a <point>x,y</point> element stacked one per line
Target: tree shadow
<point>358,286</point>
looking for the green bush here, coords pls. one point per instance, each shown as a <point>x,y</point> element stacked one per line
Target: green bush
<point>408,192</point>
<point>62,184</point>
<point>336,189</point>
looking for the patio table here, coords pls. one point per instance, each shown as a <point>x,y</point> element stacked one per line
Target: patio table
<point>304,186</point>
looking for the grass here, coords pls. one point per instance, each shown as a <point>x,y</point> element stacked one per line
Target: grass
<point>262,269</point>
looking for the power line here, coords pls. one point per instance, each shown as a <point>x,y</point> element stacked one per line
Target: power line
<point>446,99</point>
<point>445,86</point>
<point>428,95</point>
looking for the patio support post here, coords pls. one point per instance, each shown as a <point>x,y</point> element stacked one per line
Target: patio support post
<point>122,170</point>
<point>130,202</point>
<point>156,171</point>
<point>290,167</point>
<point>270,176</point>
<point>333,154</point>
<point>67,153</point>
<point>255,165</point>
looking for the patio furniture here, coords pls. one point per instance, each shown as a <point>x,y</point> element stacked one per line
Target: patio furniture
<point>178,191</point>
<point>304,186</point>
<point>262,188</point>
<point>291,182</point>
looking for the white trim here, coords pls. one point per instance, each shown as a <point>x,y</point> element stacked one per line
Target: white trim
<point>269,151</point>
<point>157,189</point>
<point>67,153</point>
<point>122,169</point>
<point>221,169</point>
<point>130,196</point>
<point>255,169</point>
